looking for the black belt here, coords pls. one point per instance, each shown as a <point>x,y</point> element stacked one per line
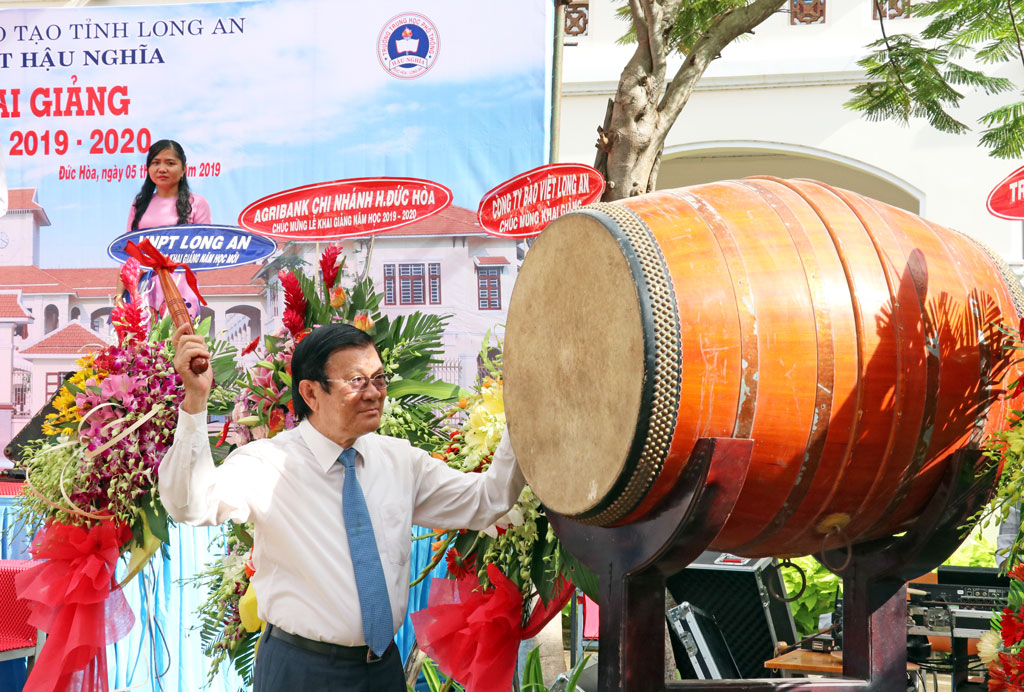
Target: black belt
<point>355,653</point>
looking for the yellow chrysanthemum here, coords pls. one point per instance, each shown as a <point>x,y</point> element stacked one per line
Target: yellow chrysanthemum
<point>64,402</point>
<point>486,420</point>
<point>989,646</point>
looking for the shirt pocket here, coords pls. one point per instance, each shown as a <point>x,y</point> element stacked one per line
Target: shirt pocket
<point>397,530</point>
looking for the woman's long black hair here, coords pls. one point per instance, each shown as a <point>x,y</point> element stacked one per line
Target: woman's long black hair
<point>184,204</point>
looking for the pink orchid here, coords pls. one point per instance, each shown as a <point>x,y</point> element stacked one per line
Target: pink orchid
<point>119,387</point>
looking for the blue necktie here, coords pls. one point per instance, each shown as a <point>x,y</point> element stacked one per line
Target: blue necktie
<point>374,602</point>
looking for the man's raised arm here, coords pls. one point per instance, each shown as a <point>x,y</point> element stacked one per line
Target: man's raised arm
<point>192,488</point>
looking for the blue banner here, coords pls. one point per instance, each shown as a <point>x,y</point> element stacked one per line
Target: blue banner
<point>200,246</point>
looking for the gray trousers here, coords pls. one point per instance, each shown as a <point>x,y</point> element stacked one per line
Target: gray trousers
<point>282,667</point>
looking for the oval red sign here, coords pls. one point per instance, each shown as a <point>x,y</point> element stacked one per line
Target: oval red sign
<point>1007,198</point>
<point>523,206</point>
<point>345,208</point>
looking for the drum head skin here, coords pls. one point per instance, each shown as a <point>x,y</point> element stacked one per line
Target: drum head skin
<point>573,355</point>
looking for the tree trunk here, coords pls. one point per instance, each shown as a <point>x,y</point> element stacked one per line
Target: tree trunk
<point>645,106</point>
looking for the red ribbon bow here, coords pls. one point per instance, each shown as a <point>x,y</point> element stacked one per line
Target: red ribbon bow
<point>148,256</point>
<point>473,634</point>
<point>74,597</point>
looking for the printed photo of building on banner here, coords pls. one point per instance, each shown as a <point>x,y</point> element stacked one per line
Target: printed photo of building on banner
<point>263,97</point>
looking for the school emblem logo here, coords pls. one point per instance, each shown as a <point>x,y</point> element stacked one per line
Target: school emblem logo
<point>407,45</point>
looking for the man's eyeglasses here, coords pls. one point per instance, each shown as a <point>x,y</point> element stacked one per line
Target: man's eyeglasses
<point>359,382</point>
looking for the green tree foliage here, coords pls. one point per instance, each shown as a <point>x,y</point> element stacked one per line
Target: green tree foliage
<point>925,76</point>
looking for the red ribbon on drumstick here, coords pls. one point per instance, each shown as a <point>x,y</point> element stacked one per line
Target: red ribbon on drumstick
<point>148,256</point>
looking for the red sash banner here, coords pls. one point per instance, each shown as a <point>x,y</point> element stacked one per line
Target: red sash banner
<point>148,256</point>
<point>75,598</point>
<point>473,634</point>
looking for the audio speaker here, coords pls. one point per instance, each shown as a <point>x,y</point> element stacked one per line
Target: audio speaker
<point>735,592</point>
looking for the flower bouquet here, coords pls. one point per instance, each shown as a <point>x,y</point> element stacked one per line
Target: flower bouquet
<point>505,582</point>
<point>1001,647</point>
<point>262,407</point>
<point>91,493</point>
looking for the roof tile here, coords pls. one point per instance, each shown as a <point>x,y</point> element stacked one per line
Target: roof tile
<point>22,198</point>
<point>71,339</point>
<point>101,281</point>
<point>10,307</point>
<point>452,221</point>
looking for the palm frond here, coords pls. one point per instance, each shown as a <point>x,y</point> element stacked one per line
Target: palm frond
<point>1004,136</point>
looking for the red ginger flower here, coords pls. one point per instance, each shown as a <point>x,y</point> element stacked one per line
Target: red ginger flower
<point>330,264</point>
<point>130,271</point>
<point>294,299</point>
<point>130,320</point>
<point>294,302</point>
<point>458,565</point>
<point>295,322</point>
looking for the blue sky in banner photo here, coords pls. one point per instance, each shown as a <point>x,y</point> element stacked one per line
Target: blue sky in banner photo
<point>297,95</point>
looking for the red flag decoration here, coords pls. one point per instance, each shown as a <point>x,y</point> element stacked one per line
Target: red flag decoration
<point>1007,198</point>
<point>523,206</point>
<point>345,208</point>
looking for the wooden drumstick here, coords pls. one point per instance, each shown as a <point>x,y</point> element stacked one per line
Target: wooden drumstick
<point>179,314</point>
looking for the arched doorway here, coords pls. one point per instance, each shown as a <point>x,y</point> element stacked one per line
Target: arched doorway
<point>244,323</point>
<point>98,319</point>
<point>76,312</point>
<point>705,162</point>
<point>204,312</point>
<point>51,315</point>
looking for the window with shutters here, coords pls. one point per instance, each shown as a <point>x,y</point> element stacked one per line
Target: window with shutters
<point>412,284</point>
<point>389,284</point>
<point>434,276</point>
<point>488,281</point>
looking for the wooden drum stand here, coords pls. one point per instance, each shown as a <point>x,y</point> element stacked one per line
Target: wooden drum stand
<point>633,560</point>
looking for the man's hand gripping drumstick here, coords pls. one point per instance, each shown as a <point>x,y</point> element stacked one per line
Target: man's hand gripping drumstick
<point>188,346</point>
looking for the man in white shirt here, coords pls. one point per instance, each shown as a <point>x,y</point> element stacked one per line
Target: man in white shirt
<point>308,561</point>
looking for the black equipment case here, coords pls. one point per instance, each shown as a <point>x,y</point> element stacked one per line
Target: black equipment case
<point>700,650</point>
<point>735,592</point>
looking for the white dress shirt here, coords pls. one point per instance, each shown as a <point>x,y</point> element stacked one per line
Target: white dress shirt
<point>290,487</point>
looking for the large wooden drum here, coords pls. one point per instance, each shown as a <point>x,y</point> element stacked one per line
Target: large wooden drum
<point>855,343</point>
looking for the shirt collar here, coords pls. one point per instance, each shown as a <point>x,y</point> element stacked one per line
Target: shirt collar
<point>326,451</point>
